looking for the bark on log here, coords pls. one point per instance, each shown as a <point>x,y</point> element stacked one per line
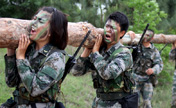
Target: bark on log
<point>11,29</point>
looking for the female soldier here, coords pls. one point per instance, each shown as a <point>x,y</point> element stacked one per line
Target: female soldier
<point>38,65</point>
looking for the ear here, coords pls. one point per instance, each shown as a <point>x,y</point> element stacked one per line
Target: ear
<point>122,33</point>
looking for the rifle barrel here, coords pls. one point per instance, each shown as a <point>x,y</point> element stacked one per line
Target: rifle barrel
<point>82,43</point>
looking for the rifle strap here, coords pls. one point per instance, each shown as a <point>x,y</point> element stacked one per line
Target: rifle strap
<point>110,52</point>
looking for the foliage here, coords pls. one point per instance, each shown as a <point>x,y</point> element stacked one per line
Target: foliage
<point>166,76</point>
<point>168,24</point>
<point>23,9</point>
<point>140,12</point>
<point>143,12</point>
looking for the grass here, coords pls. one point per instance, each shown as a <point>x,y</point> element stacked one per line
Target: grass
<point>5,91</point>
<point>78,92</point>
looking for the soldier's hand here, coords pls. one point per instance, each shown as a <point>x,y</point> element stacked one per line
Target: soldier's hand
<point>131,34</point>
<point>149,71</point>
<point>86,52</point>
<point>97,44</point>
<point>22,47</point>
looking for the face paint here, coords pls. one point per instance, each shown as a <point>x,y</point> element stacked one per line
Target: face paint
<point>42,33</point>
<point>148,36</point>
<point>110,31</point>
<point>39,25</point>
<point>106,40</point>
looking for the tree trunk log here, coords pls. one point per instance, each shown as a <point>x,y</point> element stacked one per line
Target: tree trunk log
<point>11,30</point>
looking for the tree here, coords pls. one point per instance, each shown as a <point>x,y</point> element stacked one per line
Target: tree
<point>143,12</point>
<point>23,9</point>
<point>168,24</point>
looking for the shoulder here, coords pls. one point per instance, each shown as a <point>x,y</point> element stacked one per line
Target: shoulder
<point>57,53</point>
<point>122,51</point>
<point>156,51</point>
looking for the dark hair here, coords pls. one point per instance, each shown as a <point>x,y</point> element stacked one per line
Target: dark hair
<point>58,28</point>
<point>151,31</point>
<point>121,19</point>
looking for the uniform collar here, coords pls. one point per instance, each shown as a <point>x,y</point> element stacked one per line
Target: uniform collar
<point>151,46</point>
<point>114,47</point>
<point>45,49</point>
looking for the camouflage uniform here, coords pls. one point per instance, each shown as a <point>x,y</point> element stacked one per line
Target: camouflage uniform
<point>107,70</point>
<point>149,58</point>
<point>172,57</point>
<point>36,78</point>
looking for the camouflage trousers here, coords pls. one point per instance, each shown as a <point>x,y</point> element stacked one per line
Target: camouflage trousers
<point>144,89</point>
<point>98,103</point>
<point>173,103</point>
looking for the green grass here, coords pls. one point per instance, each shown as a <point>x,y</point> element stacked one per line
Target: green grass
<point>5,91</point>
<point>162,96</point>
<point>78,92</point>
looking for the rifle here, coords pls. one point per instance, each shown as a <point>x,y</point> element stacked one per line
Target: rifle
<point>163,48</point>
<point>138,49</point>
<point>71,61</point>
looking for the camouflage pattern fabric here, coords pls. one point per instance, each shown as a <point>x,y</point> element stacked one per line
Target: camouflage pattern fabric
<point>172,57</point>
<point>146,91</point>
<point>106,68</point>
<point>39,105</point>
<point>37,76</point>
<point>150,58</point>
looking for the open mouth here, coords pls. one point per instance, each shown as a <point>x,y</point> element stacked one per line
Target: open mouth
<point>108,36</point>
<point>33,31</point>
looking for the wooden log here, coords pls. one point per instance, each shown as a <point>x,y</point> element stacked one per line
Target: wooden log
<point>158,39</point>
<point>11,29</point>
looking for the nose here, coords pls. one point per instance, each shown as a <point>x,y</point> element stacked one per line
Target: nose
<point>34,23</point>
<point>108,29</point>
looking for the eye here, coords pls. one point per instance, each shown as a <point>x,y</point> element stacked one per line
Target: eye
<point>40,20</point>
<point>108,26</point>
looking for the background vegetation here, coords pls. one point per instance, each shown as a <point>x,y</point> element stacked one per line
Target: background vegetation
<point>78,91</point>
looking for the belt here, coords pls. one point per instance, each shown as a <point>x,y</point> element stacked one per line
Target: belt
<point>112,96</point>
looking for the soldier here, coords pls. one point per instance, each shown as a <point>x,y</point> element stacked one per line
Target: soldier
<point>173,57</point>
<point>38,65</point>
<point>110,63</point>
<point>147,65</point>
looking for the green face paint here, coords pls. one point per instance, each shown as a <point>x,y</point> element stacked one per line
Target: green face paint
<point>148,36</point>
<point>42,33</point>
<point>110,31</point>
<point>115,29</point>
<point>39,25</point>
<point>106,40</point>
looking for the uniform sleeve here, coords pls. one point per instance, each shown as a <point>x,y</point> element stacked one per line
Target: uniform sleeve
<point>113,69</point>
<point>158,63</point>
<point>11,73</point>
<point>82,66</point>
<point>38,82</point>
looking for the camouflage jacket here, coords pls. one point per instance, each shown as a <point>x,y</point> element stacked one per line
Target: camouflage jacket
<point>106,67</point>
<point>37,76</point>
<point>149,58</point>
<point>172,54</point>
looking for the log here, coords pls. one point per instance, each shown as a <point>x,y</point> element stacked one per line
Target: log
<point>158,39</point>
<point>11,30</point>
